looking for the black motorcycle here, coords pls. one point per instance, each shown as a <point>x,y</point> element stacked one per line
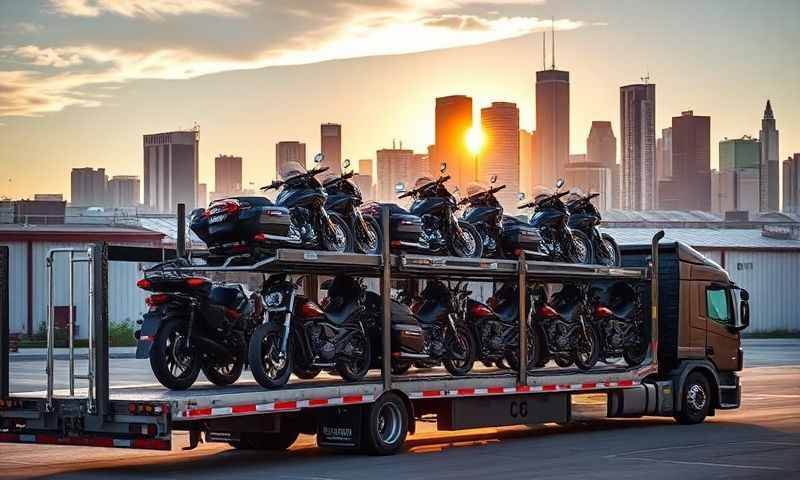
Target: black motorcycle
<point>564,323</point>
<point>300,336</point>
<point>448,338</point>
<point>502,236</point>
<point>585,217</point>
<point>194,324</point>
<point>618,315</point>
<point>344,198</point>
<point>559,241</point>
<point>443,233</point>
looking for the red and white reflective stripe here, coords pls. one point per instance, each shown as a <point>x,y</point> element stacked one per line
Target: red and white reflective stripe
<point>565,387</point>
<point>143,443</point>
<point>279,406</point>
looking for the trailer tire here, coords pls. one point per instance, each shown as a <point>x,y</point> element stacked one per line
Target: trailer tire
<point>385,425</point>
<point>696,398</point>
<point>275,441</point>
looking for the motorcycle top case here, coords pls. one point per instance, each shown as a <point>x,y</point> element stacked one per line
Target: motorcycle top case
<point>404,226</point>
<point>517,234</point>
<point>238,220</point>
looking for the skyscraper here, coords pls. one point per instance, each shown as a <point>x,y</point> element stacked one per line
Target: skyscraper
<point>591,177</point>
<point>88,187</point>
<point>601,148</point>
<point>365,166</point>
<point>227,174</point>
<point>791,184</point>
<point>690,185</point>
<point>637,108</point>
<point>364,179</point>
<point>739,163</point>
<point>500,155</point>
<point>286,152</point>
<point>769,161</point>
<point>552,125</point>
<point>525,162</point>
<point>331,147</point>
<point>123,191</point>
<point>453,121</point>
<point>170,170</point>
<point>393,168</point>
<point>664,155</point>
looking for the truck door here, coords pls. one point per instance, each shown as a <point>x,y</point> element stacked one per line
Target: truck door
<point>722,340</point>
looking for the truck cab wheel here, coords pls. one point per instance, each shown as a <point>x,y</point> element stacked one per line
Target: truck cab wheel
<point>695,400</point>
<point>385,425</point>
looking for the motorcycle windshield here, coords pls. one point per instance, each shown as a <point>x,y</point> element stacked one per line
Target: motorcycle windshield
<point>291,169</point>
<point>476,188</point>
<point>576,194</point>
<point>540,193</point>
<point>422,181</point>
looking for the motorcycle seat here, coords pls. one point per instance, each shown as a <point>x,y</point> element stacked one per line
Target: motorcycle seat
<point>509,221</point>
<point>507,311</point>
<point>431,312</point>
<point>338,311</point>
<point>256,201</point>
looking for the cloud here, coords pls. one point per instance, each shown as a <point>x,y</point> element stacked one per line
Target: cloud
<point>21,28</point>
<point>152,9</point>
<point>57,77</point>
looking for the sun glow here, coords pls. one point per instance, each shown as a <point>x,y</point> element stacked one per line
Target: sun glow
<point>474,140</point>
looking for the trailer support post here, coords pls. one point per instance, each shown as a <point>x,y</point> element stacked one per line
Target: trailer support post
<point>522,288</point>
<point>99,308</point>
<point>180,240</point>
<point>5,343</point>
<point>386,294</point>
<point>654,298</point>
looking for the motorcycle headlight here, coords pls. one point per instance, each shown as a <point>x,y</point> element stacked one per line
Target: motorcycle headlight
<point>274,299</point>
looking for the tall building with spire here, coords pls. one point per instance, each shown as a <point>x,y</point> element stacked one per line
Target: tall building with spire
<point>768,184</point>
<point>637,110</point>
<point>552,125</point>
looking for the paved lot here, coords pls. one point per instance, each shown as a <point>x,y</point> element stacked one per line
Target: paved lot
<point>760,440</point>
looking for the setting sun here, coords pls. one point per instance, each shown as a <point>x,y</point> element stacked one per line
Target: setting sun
<point>474,139</point>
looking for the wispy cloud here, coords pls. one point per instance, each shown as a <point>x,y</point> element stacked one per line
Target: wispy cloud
<point>152,9</point>
<point>56,77</point>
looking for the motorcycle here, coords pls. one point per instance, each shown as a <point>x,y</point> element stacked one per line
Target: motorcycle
<point>502,236</point>
<point>443,233</point>
<point>617,314</point>
<point>448,338</point>
<point>564,323</point>
<point>300,336</point>
<point>344,198</point>
<point>585,217</point>
<point>255,226</point>
<point>194,324</point>
<point>560,242</point>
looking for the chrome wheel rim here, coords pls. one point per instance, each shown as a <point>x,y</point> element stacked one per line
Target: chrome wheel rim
<point>178,363</point>
<point>341,239</point>
<point>696,397</point>
<point>389,423</point>
<point>611,254</point>
<point>469,243</point>
<point>273,360</point>
<point>371,243</point>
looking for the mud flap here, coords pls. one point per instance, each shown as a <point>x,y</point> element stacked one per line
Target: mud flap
<point>340,427</point>
<point>150,323</point>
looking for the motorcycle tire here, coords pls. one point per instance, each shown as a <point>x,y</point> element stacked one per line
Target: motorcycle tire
<point>634,355</point>
<point>585,360</point>
<point>400,367</point>
<point>167,353</point>
<point>224,375</point>
<point>610,244</point>
<point>582,241</point>
<point>361,244</point>
<point>475,247</point>
<point>455,367</point>
<point>268,336</point>
<point>305,373</point>
<point>534,352</point>
<point>346,244</point>
<point>562,362</point>
<point>353,372</point>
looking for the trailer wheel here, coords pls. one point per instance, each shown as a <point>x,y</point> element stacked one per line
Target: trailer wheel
<point>695,400</point>
<point>386,425</point>
<point>266,441</point>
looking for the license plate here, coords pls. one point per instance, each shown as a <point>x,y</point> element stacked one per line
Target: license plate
<point>218,218</point>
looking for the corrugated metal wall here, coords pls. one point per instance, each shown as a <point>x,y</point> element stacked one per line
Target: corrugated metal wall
<point>125,302</point>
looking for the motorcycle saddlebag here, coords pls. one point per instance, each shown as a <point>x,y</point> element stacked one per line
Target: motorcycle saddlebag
<point>407,335</point>
<point>518,235</point>
<point>237,221</point>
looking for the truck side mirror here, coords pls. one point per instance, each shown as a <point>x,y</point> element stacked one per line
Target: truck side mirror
<point>744,310</point>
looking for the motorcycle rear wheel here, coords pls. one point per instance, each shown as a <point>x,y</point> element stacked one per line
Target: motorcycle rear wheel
<point>268,368</point>
<point>354,369</point>
<point>634,354</point>
<point>224,375</point>
<point>399,367</point>
<point>587,349</point>
<point>534,352</point>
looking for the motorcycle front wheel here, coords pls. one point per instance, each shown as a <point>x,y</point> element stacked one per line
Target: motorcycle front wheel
<point>224,374</point>
<point>270,367</point>
<point>341,239</point>
<point>612,256</point>
<point>461,351</point>
<point>174,364</point>
<point>534,351</point>
<point>587,347</point>
<point>369,241</point>
<point>354,367</point>
<point>583,253</point>
<point>634,354</point>
<point>470,243</point>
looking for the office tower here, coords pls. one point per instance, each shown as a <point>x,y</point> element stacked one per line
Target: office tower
<point>364,180</point>
<point>577,158</point>
<point>88,187</point>
<point>664,155</point>
<point>202,195</point>
<point>690,185</point>
<point>637,108</point>
<point>433,162</point>
<point>228,174</point>
<point>525,162</point>
<point>739,163</point>
<point>365,166</point>
<point>791,184</point>
<point>601,148</point>
<point>500,155</point>
<point>453,121</point>
<point>591,177</point>
<point>170,170</point>
<point>393,169</point>
<point>769,161</point>
<point>552,125</point>
<point>286,152</point>
<point>331,147</point>
<point>123,191</point>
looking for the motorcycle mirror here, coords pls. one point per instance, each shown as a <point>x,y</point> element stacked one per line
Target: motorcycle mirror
<point>493,178</point>
<point>521,196</point>
<point>319,157</point>
<point>442,167</point>
<point>196,211</point>
<point>346,164</point>
<point>399,187</point>
<point>560,183</point>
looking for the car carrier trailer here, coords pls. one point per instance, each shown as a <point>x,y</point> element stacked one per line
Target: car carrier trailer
<point>680,376</point>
